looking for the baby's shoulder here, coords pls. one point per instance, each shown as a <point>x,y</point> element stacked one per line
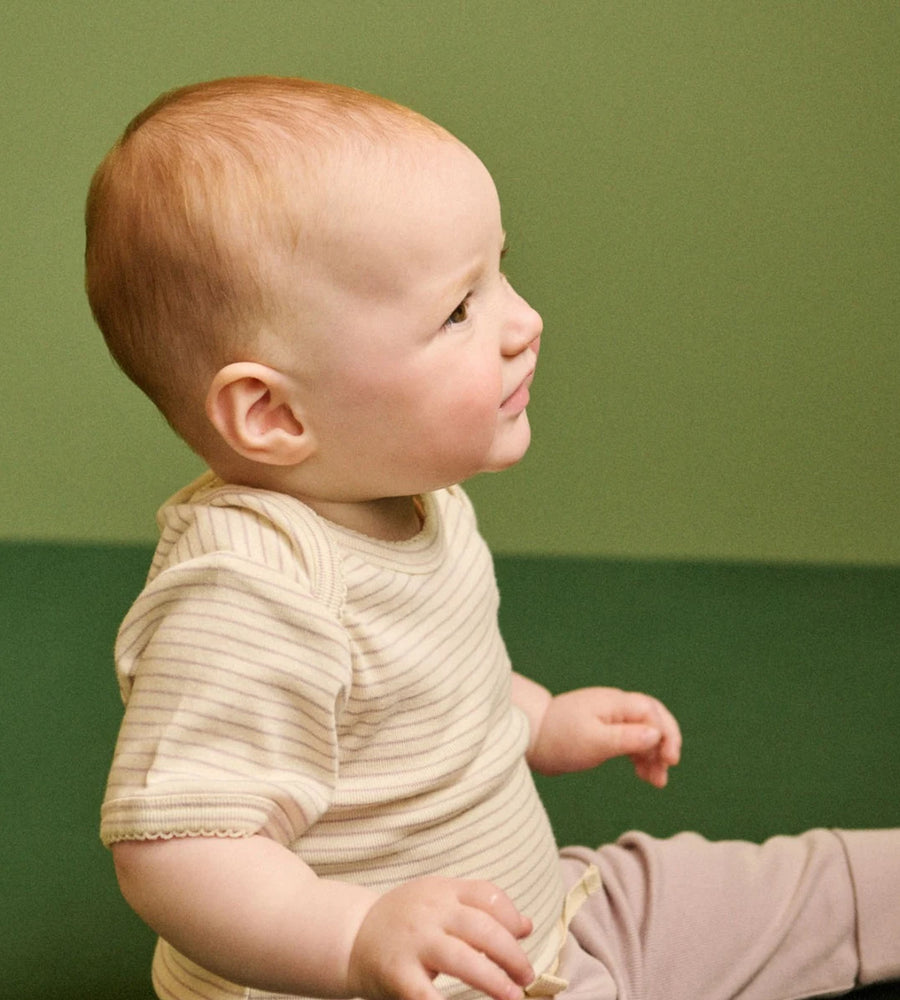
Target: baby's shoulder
<point>245,530</point>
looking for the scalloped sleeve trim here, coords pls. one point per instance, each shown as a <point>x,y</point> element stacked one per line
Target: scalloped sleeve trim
<point>168,817</point>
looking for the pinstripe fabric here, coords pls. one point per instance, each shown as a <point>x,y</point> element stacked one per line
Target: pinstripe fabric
<point>345,696</point>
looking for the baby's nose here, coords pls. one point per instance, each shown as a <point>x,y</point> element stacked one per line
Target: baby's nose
<point>524,329</point>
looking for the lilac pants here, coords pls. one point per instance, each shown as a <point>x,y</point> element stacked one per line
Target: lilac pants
<point>689,919</point>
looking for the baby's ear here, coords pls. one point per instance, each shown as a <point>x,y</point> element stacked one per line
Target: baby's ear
<point>254,410</point>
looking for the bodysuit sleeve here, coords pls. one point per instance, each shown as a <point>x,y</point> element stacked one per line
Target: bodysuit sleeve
<point>234,678</point>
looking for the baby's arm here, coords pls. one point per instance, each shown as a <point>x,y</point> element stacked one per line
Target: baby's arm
<point>584,728</point>
<point>251,911</point>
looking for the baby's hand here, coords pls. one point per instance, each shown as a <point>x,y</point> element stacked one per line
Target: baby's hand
<point>584,728</point>
<point>467,929</point>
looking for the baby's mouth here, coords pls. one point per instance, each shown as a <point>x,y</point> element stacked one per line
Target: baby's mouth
<point>518,399</point>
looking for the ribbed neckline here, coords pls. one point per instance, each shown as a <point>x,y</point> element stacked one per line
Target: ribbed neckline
<point>419,554</point>
<point>422,553</point>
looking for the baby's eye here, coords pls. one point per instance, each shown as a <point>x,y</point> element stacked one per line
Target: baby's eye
<point>459,315</point>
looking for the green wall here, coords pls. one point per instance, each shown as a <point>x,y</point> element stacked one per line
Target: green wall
<point>702,200</point>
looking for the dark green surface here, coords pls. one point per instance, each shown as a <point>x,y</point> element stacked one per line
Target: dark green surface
<point>785,681</point>
<point>67,934</point>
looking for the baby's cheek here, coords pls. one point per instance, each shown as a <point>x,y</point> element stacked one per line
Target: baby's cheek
<point>477,422</point>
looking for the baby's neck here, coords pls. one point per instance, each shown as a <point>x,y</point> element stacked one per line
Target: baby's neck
<point>392,519</point>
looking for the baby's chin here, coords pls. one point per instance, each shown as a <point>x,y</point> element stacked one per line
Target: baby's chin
<point>511,445</point>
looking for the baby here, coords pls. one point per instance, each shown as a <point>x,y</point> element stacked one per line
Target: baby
<point>322,782</point>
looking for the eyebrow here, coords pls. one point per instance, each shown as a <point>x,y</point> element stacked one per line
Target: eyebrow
<point>460,289</point>
<point>469,277</point>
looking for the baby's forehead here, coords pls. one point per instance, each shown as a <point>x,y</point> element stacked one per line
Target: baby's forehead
<point>377,160</point>
<point>407,214</point>
<point>351,204</point>
<point>355,185</point>
<point>393,180</point>
<point>311,172</point>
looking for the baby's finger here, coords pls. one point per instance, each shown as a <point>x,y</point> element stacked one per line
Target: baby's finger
<point>670,745</point>
<point>477,969</point>
<point>626,738</point>
<point>649,768</point>
<point>490,923</point>
<point>486,896</point>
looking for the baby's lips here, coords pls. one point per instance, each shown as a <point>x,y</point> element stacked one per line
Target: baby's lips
<point>518,399</point>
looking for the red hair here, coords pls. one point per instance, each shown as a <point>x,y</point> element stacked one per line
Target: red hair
<point>207,187</point>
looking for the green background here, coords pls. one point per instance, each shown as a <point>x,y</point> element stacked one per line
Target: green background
<point>702,201</point>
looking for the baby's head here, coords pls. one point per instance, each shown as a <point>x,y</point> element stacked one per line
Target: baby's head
<point>202,211</point>
<point>265,255</point>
